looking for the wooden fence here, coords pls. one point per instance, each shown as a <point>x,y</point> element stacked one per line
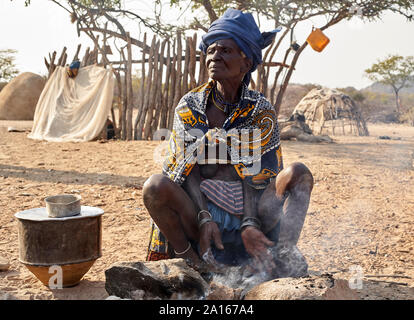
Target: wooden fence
<point>168,71</point>
<point>169,68</point>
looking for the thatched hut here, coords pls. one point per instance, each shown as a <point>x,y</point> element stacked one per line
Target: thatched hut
<point>331,111</point>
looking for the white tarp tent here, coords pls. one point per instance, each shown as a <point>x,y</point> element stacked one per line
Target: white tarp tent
<point>74,109</point>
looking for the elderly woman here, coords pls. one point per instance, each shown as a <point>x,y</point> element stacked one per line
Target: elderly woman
<point>214,207</point>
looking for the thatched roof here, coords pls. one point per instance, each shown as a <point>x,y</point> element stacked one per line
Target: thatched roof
<point>324,104</point>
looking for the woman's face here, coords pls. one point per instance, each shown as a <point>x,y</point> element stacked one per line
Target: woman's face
<point>225,61</point>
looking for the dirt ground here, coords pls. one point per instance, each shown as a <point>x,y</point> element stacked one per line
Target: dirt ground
<point>361,211</point>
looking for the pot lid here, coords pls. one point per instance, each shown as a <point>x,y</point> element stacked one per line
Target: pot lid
<point>40,214</point>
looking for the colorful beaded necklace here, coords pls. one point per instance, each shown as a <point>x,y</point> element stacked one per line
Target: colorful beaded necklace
<point>218,98</point>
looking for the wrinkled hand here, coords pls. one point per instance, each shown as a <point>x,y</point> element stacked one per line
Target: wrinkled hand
<point>257,246</point>
<point>210,232</point>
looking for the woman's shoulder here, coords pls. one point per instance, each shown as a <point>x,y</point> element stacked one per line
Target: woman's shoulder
<point>199,91</point>
<point>195,98</point>
<point>258,98</point>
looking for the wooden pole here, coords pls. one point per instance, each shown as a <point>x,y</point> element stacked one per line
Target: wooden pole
<point>124,99</point>
<point>76,57</point>
<point>186,65</point>
<point>129,90</point>
<point>201,70</point>
<point>205,72</point>
<point>159,103</point>
<point>52,65</point>
<point>62,55</point>
<point>171,97</point>
<point>177,90</point>
<point>178,83</point>
<point>119,103</point>
<point>148,86</point>
<point>153,95</point>
<point>86,57</point>
<point>193,60</point>
<point>164,112</point>
<point>142,90</point>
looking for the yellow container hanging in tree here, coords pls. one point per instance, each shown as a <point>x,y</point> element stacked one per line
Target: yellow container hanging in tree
<point>317,40</point>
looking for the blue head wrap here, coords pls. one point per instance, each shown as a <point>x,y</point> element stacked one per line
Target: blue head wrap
<point>75,65</point>
<point>242,28</point>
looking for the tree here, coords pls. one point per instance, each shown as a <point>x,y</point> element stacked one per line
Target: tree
<point>107,17</point>
<point>289,14</point>
<point>7,68</point>
<point>92,15</point>
<point>395,71</point>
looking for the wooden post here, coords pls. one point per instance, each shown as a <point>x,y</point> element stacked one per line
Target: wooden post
<point>52,65</point>
<point>142,91</point>
<point>86,57</point>
<point>148,86</point>
<point>65,57</point>
<point>119,103</point>
<point>186,65</point>
<point>159,93</point>
<point>164,112</point>
<point>76,57</point>
<point>205,72</point>
<point>124,99</point>
<point>201,69</point>
<point>178,80</point>
<point>193,61</point>
<point>130,105</point>
<point>171,97</point>
<point>62,56</point>
<point>153,95</point>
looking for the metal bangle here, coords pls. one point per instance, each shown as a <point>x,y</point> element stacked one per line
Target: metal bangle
<point>252,218</point>
<point>204,221</point>
<point>185,251</point>
<point>201,211</point>
<point>250,221</point>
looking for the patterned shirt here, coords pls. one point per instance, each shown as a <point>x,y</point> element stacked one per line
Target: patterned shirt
<point>250,135</point>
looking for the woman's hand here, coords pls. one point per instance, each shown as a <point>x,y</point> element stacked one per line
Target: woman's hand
<point>209,232</point>
<point>257,246</point>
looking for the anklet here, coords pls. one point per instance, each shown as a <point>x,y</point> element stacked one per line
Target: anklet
<point>185,251</point>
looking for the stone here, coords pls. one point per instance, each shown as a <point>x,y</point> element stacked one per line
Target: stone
<point>4,264</point>
<point>289,261</point>
<point>164,279</point>
<point>219,291</point>
<point>13,129</point>
<point>323,287</point>
<point>294,129</point>
<point>115,298</point>
<point>19,97</point>
<point>7,296</point>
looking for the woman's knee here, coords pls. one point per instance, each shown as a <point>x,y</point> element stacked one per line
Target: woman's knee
<point>154,190</point>
<point>295,174</point>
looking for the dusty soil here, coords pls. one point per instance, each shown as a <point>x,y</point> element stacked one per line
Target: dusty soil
<point>361,210</point>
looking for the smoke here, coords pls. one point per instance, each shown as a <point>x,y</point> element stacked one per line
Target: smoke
<point>289,262</point>
<point>240,277</point>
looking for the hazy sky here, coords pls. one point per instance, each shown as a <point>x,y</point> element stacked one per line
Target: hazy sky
<point>44,27</point>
